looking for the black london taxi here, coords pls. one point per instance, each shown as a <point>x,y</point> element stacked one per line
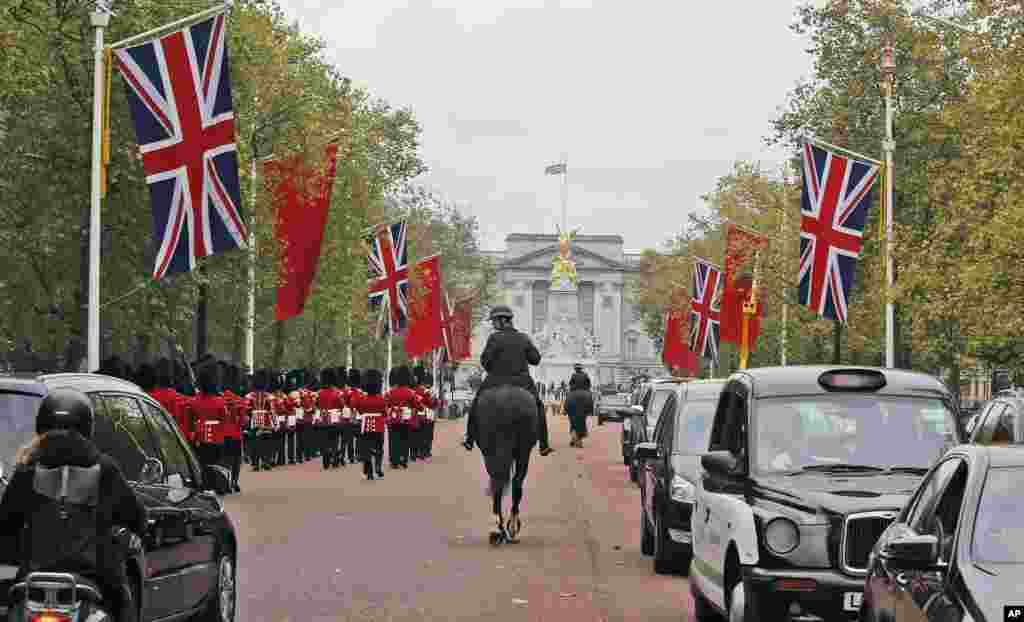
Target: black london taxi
<point>956,551</point>
<point>806,467</point>
<point>186,568</point>
<point>653,395</point>
<point>669,473</point>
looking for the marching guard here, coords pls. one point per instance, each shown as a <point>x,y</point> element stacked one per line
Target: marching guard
<point>310,439</point>
<point>209,412</point>
<point>372,409</point>
<point>281,406</point>
<point>176,404</point>
<point>234,422</point>
<point>352,395</point>
<point>428,412</point>
<point>294,425</point>
<point>262,447</point>
<point>401,406</point>
<point>331,401</point>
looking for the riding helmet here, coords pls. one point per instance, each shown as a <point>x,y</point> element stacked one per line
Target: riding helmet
<point>501,311</point>
<point>145,377</point>
<point>327,378</point>
<point>67,409</point>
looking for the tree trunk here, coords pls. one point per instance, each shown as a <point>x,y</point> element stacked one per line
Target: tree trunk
<point>837,342</point>
<point>278,343</point>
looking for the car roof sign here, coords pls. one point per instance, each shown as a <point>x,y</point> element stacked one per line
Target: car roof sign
<point>852,380</point>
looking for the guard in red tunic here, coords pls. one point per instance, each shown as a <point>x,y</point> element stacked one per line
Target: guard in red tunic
<point>354,391</point>
<point>310,441</point>
<point>294,424</point>
<point>209,412</point>
<point>428,406</point>
<point>263,448</point>
<point>372,409</point>
<point>234,422</point>
<point>173,402</point>
<point>331,402</point>
<point>282,409</point>
<point>402,407</point>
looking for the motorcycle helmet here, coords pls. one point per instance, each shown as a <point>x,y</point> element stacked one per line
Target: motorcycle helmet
<point>501,311</point>
<point>65,409</point>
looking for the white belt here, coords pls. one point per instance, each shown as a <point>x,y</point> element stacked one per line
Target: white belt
<point>406,413</point>
<point>334,415</point>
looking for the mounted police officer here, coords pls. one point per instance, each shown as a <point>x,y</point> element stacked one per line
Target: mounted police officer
<point>66,497</point>
<point>506,359</point>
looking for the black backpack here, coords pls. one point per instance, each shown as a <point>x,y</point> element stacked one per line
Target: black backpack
<point>63,533</point>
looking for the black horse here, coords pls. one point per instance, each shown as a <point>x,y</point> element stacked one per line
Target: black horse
<point>507,431</point>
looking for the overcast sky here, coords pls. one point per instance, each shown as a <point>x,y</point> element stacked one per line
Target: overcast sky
<point>652,100</point>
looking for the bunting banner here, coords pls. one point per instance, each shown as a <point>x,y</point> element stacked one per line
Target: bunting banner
<point>833,210</point>
<point>458,329</point>
<point>302,199</point>
<point>425,331</point>
<point>179,94</point>
<point>676,353</point>
<point>740,248</point>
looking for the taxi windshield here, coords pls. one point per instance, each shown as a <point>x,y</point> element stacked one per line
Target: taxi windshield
<point>851,433</point>
<point>998,534</point>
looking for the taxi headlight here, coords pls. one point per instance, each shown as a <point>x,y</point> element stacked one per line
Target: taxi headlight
<point>682,490</point>
<point>781,536</point>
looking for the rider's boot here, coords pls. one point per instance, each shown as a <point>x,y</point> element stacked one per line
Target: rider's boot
<point>542,431</point>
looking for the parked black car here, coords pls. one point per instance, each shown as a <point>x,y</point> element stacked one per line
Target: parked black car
<point>999,422</point>
<point>187,568</point>
<point>653,396</point>
<point>955,551</point>
<point>670,472</point>
<point>806,467</point>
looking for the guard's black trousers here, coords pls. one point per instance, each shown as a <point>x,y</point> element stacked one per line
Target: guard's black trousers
<point>398,444</point>
<point>232,458</point>
<point>371,452</point>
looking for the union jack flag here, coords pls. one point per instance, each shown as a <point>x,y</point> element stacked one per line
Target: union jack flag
<point>833,210</point>
<point>705,309</point>
<point>179,93</point>
<point>389,276</point>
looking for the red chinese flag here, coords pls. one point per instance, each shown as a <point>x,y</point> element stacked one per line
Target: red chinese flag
<point>676,352</point>
<point>301,200</point>
<point>425,331</point>
<point>740,247</point>
<point>463,330</point>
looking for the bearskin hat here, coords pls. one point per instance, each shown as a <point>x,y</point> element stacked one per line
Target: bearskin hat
<point>274,381</point>
<point>208,379</point>
<point>293,380</point>
<point>260,381</point>
<point>163,373</point>
<point>311,379</point>
<point>146,377</point>
<point>400,377</point>
<point>420,374</point>
<point>355,379</point>
<point>373,381</point>
<point>114,366</point>
<point>327,377</point>
<point>341,374</point>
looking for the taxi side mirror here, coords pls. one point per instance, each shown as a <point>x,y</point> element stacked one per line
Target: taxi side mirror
<point>720,463</point>
<point>911,552</point>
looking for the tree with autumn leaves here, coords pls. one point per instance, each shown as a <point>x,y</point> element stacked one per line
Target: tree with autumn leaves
<point>288,100</point>
<point>957,208</point>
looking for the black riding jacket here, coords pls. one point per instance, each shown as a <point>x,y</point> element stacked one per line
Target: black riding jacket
<point>507,357</point>
<point>117,506</point>
<point>579,381</point>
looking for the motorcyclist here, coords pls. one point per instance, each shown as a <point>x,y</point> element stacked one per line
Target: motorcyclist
<point>505,359</point>
<point>31,506</point>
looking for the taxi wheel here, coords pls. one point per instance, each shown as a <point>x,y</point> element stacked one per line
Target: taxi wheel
<point>646,537</point>
<point>663,563</point>
<point>702,609</point>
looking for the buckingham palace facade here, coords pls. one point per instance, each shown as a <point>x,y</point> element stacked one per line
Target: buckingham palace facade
<point>591,322</point>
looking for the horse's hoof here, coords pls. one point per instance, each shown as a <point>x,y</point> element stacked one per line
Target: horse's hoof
<point>515,525</point>
<point>497,538</point>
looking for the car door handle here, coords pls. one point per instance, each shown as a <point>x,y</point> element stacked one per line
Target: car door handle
<point>707,515</point>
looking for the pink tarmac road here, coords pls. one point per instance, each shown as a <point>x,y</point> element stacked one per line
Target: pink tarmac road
<point>318,546</point>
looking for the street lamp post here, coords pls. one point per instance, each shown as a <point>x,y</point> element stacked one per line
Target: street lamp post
<point>889,146</point>
<point>100,20</point>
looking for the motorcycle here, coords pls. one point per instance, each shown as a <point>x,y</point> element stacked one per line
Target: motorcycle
<point>62,596</point>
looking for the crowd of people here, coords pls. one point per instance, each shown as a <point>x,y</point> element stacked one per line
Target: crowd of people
<point>272,419</point>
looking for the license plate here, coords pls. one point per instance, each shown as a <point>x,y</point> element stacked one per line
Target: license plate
<point>852,601</point>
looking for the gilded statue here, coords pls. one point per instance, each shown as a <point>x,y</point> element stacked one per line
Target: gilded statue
<point>563,265</point>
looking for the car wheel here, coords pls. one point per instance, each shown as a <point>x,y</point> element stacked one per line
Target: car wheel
<point>646,537</point>
<point>625,459</point>
<point>663,562</point>
<point>744,606</point>
<point>223,603</point>
<point>634,475</point>
<point>702,609</point>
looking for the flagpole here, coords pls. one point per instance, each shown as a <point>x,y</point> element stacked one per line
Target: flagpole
<point>387,377</point>
<point>565,191</point>
<point>348,356</point>
<point>250,324</point>
<point>100,20</point>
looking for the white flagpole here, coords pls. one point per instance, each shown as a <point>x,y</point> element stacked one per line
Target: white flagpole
<point>565,191</point>
<point>250,324</point>
<point>387,377</point>
<point>100,20</point>
<point>348,359</point>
